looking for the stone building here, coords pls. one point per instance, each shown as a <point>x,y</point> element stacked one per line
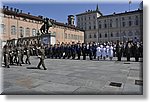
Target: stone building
<point>16,25</point>
<point>113,27</point>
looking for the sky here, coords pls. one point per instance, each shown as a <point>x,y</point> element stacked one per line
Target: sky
<point>60,11</point>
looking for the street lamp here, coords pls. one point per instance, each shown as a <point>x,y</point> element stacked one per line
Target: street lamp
<point>38,36</point>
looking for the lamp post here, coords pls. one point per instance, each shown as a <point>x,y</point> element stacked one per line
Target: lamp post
<point>38,37</point>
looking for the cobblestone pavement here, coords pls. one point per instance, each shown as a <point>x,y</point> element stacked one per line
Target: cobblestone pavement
<point>65,76</point>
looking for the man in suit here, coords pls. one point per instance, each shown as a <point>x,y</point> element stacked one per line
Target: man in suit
<point>119,50</point>
<point>78,49</point>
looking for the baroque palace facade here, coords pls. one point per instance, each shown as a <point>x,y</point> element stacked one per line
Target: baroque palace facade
<point>18,25</point>
<point>117,26</point>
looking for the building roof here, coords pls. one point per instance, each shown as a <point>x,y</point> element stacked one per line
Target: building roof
<point>123,13</point>
<point>29,16</point>
<point>89,12</point>
<point>19,14</point>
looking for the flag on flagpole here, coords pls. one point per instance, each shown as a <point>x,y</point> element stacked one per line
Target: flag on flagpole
<point>130,2</point>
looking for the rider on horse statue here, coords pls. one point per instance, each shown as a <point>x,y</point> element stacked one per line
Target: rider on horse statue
<point>47,24</point>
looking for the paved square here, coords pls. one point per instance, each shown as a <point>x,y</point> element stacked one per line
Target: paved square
<point>74,77</point>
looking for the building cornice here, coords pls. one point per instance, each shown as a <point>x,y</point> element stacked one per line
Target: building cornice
<point>89,12</point>
<point>120,14</point>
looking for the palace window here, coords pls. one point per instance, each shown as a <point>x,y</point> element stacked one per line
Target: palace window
<point>136,20</point>
<point>89,17</point>
<point>13,30</point>
<point>3,28</point>
<point>100,26</point>
<point>33,32</point>
<point>21,32</point>
<point>111,35</point>
<point>93,17</point>
<point>116,22</point>
<point>85,18</point>
<point>106,35</point>
<point>27,32</point>
<point>90,36</point>
<point>100,35</point>
<point>94,27</point>
<point>95,36</point>
<point>130,23</point>
<point>65,36</point>
<point>123,24</point>
<point>78,19</point>
<point>117,34</point>
<point>89,27</point>
<point>130,33</point>
<point>105,25</point>
<point>68,36</point>
<point>110,22</point>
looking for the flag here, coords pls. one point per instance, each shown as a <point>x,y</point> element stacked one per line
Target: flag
<point>130,2</point>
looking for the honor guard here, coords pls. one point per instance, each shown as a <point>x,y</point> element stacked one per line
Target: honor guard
<point>19,55</point>
<point>27,53</point>
<point>41,55</point>
<point>6,56</point>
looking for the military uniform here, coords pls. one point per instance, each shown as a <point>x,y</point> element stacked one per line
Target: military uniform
<point>136,52</point>
<point>27,53</point>
<point>41,54</point>
<point>22,54</point>
<point>6,56</point>
<point>19,56</point>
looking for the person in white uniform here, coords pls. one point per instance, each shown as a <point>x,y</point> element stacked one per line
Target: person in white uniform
<point>98,52</point>
<point>104,52</point>
<point>107,51</point>
<point>101,50</point>
<point>111,52</point>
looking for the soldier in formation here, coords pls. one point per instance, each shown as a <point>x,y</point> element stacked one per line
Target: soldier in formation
<point>41,55</point>
<point>16,54</point>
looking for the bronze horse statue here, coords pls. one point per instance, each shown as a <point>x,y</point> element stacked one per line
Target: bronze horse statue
<point>44,28</point>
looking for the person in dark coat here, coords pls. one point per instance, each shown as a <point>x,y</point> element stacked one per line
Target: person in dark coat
<point>119,50</point>
<point>6,56</point>
<point>11,55</point>
<point>128,50</point>
<point>90,51</point>
<point>84,50</point>
<point>136,52</point>
<point>73,51</point>
<point>78,50</point>
<point>94,50</point>
<point>22,53</point>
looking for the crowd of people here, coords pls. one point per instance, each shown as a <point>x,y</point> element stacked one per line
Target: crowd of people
<point>100,51</point>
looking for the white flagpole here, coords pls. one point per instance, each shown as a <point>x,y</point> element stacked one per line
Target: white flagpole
<point>129,4</point>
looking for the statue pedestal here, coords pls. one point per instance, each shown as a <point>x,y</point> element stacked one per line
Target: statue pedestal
<point>48,39</point>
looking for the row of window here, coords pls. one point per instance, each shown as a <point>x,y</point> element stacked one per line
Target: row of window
<point>23,32</point>
<point>79,19</point>
<point>23,19</point>
<point>130,33</point>
<point>109,23</point>
<point>87,26</point>
<point>115,24</point>
<point>74,37</point>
